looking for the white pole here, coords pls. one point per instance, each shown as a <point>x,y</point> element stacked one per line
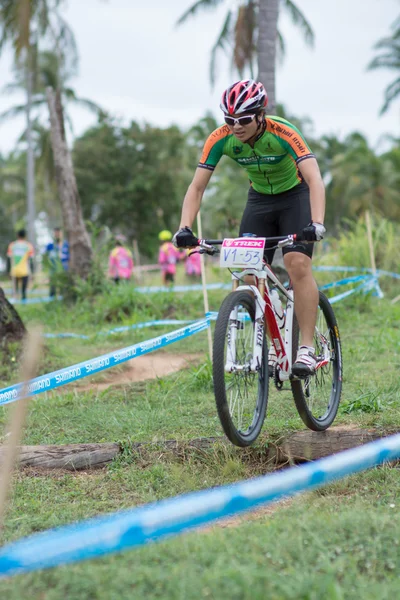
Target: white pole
<point>370,242</point>
<point>378,290</point>
<point>203,281</point>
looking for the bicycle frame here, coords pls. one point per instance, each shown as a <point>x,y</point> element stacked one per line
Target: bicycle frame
<point>264,313</point>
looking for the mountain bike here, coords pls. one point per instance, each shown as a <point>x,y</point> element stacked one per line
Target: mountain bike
<point>245,322</point>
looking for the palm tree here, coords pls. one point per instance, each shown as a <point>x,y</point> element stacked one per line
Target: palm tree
<point>389,58</point>
<point>23,25</point>
<point>48,74</point>
<point>249,35</point>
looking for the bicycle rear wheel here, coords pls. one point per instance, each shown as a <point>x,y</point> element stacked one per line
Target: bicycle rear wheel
<point>241,395</point>
<point>317,397</point>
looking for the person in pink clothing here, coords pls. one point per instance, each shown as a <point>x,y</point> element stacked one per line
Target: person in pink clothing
<point>168,256</point>
<point>193,264</point>
<point>120,263</point>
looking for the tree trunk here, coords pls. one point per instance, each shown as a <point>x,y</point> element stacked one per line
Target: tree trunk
<point>268,12</point>
<point>30,166</point>
<point>79,241</point>
<point>11,326</point>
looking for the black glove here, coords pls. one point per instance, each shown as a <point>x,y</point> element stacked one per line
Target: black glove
<point>314,232</point>
<point>184,238</point>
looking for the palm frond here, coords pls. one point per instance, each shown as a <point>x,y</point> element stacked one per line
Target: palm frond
<point>281,47</point>
<point>221,43</point>
<point>389,42</point>
<point>68,46</point>
<point>385,61</point>
<point>391,92</point>
<point>85,103</point>
<point>300,21</point>
<point>197,7</point>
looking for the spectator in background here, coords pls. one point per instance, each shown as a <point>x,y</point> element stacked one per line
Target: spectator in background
<point>193,264</point>
<point>57,253</point>
<point>20,263</point>
<point>168,256</point>
<point>120,262</point>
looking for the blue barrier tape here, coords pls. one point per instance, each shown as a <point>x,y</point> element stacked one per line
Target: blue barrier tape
<point>48,382</point>
<point>388,273</point>
<point>183,288</point>
<point>340,269</point>
<point>127,529</point>
<point>344,281</point>
<point>344,295</point>
<point>121,329</point>
<point>33,300</point>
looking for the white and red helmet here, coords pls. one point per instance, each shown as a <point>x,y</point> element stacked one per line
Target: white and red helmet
<point>243,97</point>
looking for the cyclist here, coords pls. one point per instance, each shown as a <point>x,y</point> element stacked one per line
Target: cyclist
<point>286,195</point>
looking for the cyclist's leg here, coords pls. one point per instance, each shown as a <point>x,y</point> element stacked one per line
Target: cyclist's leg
<point>296,214</point>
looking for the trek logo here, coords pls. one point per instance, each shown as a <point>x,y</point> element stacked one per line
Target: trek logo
<point>249,243</point>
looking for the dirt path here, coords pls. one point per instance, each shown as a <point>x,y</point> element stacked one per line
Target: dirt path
<point>149,366</point>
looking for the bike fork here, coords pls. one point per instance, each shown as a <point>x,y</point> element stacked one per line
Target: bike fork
<point>254,363</point>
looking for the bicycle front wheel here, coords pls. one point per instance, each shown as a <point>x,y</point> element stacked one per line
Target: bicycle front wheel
<point>241,395</point>
<point>317,397</point>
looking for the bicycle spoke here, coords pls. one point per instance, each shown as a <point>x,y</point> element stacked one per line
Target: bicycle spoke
<point>317,396</point>
<point>242,386</point>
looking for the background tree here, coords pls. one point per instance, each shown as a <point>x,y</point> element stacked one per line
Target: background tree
<point>389,58</point>
<point>24,24</point>
<point>134,178</point>
<point>249,36</point>
<point>79,241</point>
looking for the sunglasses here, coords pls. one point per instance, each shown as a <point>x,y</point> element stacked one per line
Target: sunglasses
<point>245,120</point>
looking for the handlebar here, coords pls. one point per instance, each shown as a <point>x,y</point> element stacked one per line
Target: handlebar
<point>208,246</point>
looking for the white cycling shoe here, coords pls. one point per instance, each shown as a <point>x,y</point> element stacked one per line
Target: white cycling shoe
<point>305,363</point>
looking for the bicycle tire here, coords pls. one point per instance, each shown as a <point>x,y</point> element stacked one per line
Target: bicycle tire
<point>222,378</point>
<point>302,388</point>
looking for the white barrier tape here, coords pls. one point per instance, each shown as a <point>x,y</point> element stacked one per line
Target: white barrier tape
<point>132,528</point>
<point>48,382</point>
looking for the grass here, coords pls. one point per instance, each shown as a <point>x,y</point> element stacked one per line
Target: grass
<point>341,542</point>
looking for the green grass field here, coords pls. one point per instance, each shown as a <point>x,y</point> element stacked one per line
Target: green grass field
<point>336,543</point>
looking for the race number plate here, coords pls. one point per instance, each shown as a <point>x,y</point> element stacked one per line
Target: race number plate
<point>245,253</point>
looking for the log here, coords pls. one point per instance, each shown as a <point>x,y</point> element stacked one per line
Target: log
<point>303,446</point>
<point>298,447</point>
<point>73,457</point>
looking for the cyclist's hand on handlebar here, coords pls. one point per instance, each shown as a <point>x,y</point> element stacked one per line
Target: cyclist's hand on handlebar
<point>314,232</point>
<point>184,238</point>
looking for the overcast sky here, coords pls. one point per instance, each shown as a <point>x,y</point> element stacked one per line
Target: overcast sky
<point>137,65</point>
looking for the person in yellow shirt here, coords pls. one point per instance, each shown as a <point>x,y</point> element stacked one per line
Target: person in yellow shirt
<point>20,266</point>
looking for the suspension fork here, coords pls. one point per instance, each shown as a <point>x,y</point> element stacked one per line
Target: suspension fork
<point>258,340</point>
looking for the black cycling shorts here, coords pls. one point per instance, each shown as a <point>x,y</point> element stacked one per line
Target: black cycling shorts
<point>278,214</point>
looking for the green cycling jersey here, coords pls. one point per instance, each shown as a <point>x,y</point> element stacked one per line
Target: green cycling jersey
<point>271,163</point>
